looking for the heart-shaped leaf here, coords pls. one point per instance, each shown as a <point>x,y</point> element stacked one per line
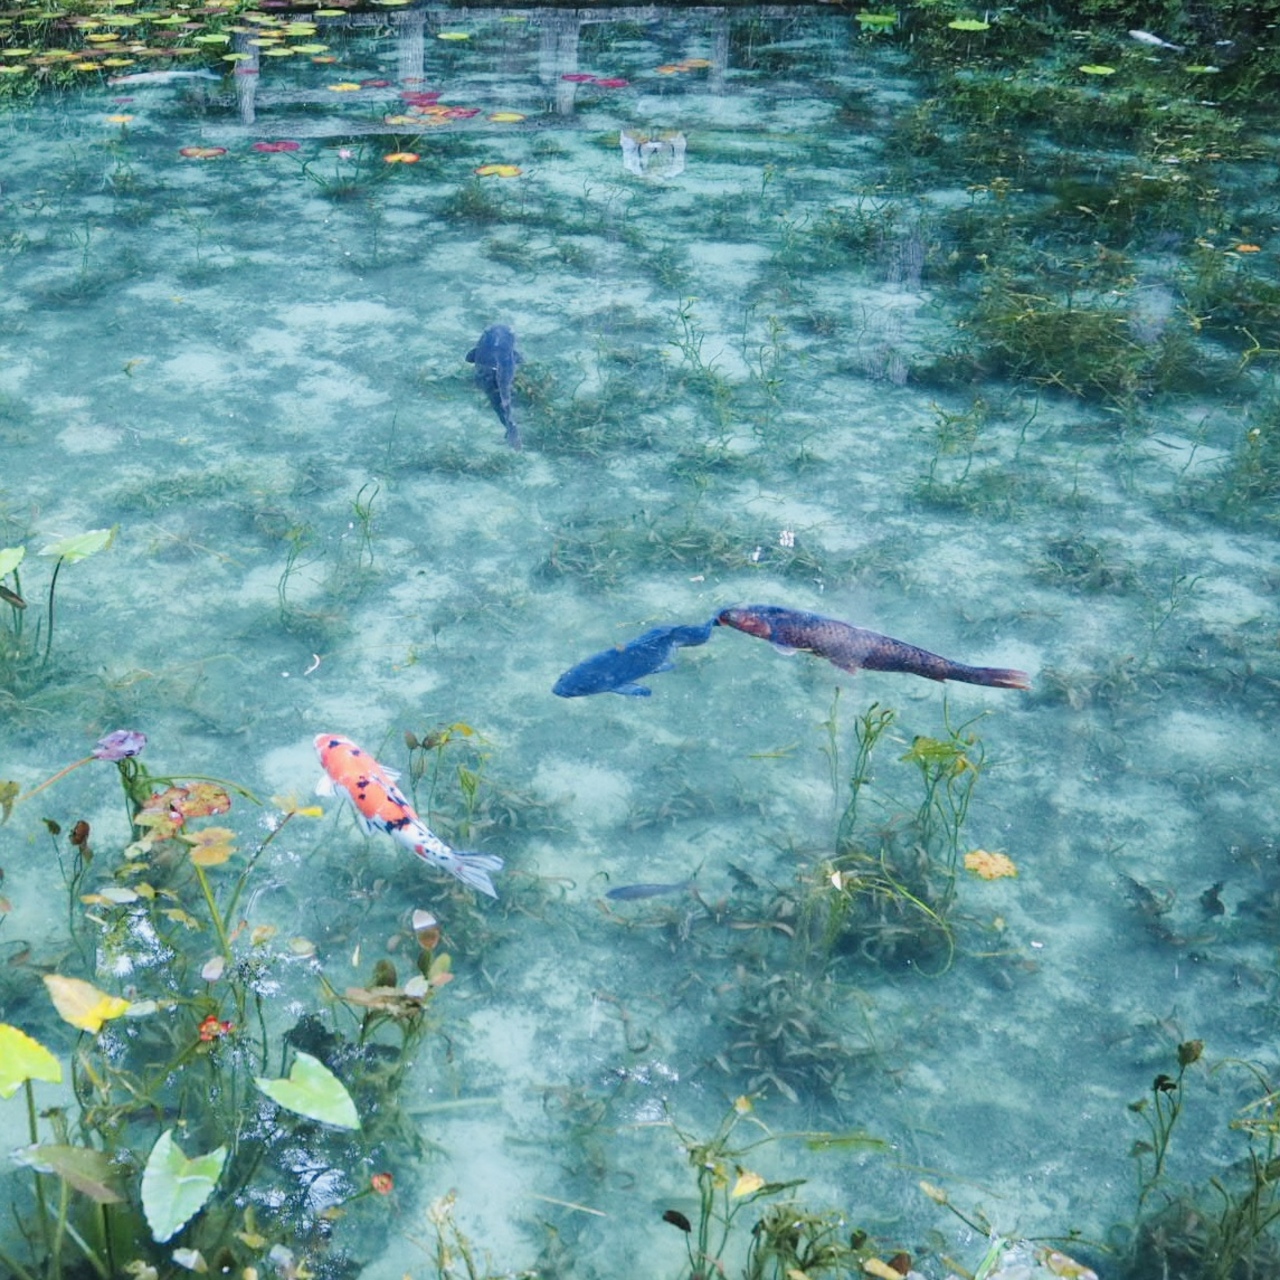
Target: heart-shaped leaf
<point>80,545</point>
<point>175,1188</point>
<point>23,1059</point>
<point>312,1090</point>
<point>83,1168</point>
<point>10,559</point>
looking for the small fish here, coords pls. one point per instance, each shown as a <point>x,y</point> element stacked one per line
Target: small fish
<point>851,648</point>
<point>1145,37</point>
<point>380,806</point>
<point>616,670</point>
<point>143,78</point>
<point>634,892</point>
<point>495,358</point>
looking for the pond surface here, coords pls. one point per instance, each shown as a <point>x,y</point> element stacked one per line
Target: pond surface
<point>809,317</point>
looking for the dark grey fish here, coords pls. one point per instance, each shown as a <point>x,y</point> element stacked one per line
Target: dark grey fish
<point>617,670</point>
<point>634,892</point>
<point>495,358</point>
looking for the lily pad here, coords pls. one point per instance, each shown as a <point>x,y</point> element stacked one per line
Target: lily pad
<point>10,559</point>
<point>175,1188</point>
<point>969,24</point>
<point>312,1090</point>
<point>23,1059</point>
<point>1097,69</point>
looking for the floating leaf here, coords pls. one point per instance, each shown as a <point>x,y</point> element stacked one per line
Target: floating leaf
<point>10,559</point>
<point>23,1059</point>
<point>1097,69</point>
<point>989,866</point>
<point>88,1171</point>
<point>81,1003</point>
<point>874,21</point>
<point>969,24</point>
<point>81,545</point>
<point>212,846</point>
<point>506,117</point>
<point>312,1090</point>
<point>498,171</point>
<point>202,799</point>
<point>175,1188</point>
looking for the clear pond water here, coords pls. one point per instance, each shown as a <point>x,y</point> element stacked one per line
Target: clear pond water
<point>757,275</point>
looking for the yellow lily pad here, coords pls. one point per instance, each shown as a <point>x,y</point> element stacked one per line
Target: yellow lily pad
<point>23,1059</point>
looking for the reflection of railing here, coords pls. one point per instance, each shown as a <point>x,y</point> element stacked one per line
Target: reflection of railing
<point>559,37</point>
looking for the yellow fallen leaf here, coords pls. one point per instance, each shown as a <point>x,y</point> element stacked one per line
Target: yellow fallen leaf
<point>81,1003</point>
<point>748,1183</point>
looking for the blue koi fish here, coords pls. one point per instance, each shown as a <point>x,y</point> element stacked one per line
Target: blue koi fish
<point>616,670</point>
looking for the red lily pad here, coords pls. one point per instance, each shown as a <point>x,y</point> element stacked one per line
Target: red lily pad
<point>578,77</point>
<point>284,144</point>
<point>614,82</point>
<point>202,153</point>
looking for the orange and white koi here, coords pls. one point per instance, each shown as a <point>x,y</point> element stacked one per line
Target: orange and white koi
<point>380,805</point>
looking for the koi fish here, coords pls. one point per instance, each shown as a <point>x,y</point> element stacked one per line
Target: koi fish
<point>495,358</point>
<point>616,670</point>
<point>380,806</point>
<point>851,648</point>
<point>1147,37</point>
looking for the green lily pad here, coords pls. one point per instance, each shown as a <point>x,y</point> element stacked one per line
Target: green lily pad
<point>10,559</point>
<point>1097,69</point>
<point>175,1188</point>
<point>969,24</point>
<point>86,1170</point>
<point>876,21</point>
<point>312,1090</point>
<point>81,546</point>
<point>23,1059</point>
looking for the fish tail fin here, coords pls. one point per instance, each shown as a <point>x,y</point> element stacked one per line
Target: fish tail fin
<point>996,677</point>
<point>473,869</point>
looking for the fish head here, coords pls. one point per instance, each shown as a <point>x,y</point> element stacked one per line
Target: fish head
<point>748,619</point>
<point>333,749</point>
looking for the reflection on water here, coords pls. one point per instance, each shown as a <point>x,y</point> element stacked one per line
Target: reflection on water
<point>815,312</point>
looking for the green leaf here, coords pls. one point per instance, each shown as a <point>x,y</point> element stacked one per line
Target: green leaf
<point>876,21</point>
<point>969,24</point>
<point>175,1189</point>
<point>8,796</point>
<point>312,1090</point>
<point>23,1059</point>
<point>10,559</point>
<point>80,546</point>
<point>89,1171</point>
<point>1097,69</point>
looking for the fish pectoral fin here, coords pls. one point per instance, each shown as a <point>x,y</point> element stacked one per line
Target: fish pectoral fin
<point>633,691</point>
<point>326,786</point>
<point>368,825</point>
<point>783,648</point>
<point>470,357</point>
<point>668,665</point>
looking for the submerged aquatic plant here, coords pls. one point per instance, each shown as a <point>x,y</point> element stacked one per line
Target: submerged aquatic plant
<point>205,1042</point>
<point>23,661</point>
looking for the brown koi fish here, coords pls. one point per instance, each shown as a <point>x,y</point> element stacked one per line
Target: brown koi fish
<point>851,648</point>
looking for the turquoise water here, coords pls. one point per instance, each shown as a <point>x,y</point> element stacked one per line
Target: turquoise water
<point>765,363</point>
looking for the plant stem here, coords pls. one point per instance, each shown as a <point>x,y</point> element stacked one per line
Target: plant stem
<point>216,915</point>
<point>48,782</point>
<point>53,582</point>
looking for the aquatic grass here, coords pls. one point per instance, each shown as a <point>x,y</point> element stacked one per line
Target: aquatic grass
<point>202,1039</point>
